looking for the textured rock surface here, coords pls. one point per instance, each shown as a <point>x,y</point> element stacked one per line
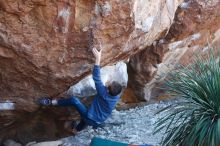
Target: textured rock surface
<point>195,27</point>
<point>44,44</point>
<point>45,47</point>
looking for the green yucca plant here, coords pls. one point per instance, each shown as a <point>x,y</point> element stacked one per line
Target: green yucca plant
<point>195,120</point>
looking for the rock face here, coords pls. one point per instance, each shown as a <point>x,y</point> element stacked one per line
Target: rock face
<point>195,28</point>
<point>45,47</point>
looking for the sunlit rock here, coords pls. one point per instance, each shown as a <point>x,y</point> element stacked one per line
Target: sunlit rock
<point>190,34</point>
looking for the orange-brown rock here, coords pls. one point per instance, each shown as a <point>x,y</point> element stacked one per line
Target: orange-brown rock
<point>45,47</point>
<point>195,28</point>
<point>44,44</point>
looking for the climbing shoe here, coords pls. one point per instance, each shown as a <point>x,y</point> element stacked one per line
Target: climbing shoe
<point>45,101</point>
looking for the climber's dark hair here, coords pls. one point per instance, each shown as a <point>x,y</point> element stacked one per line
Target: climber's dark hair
<point>114,88</point>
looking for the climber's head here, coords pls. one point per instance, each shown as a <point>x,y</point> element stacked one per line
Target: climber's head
<point>114,88</point>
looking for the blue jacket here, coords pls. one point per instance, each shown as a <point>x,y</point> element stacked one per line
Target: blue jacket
<point>103,103</point>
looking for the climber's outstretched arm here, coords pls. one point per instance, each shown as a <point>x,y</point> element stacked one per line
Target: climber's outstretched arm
<point>100,88</point>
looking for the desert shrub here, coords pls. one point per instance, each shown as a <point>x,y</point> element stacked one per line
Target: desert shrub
<point>195,120</point>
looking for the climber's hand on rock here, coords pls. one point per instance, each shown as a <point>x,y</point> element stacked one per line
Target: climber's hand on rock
<point>97,55</point>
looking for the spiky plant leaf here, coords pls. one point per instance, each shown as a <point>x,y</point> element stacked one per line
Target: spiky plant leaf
<point>195,121</point>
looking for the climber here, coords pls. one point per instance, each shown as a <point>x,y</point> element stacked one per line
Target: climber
<point>102,105</point>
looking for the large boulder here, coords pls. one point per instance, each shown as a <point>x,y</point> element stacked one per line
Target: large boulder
<point>45,47</point>
<point>195,28</point>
